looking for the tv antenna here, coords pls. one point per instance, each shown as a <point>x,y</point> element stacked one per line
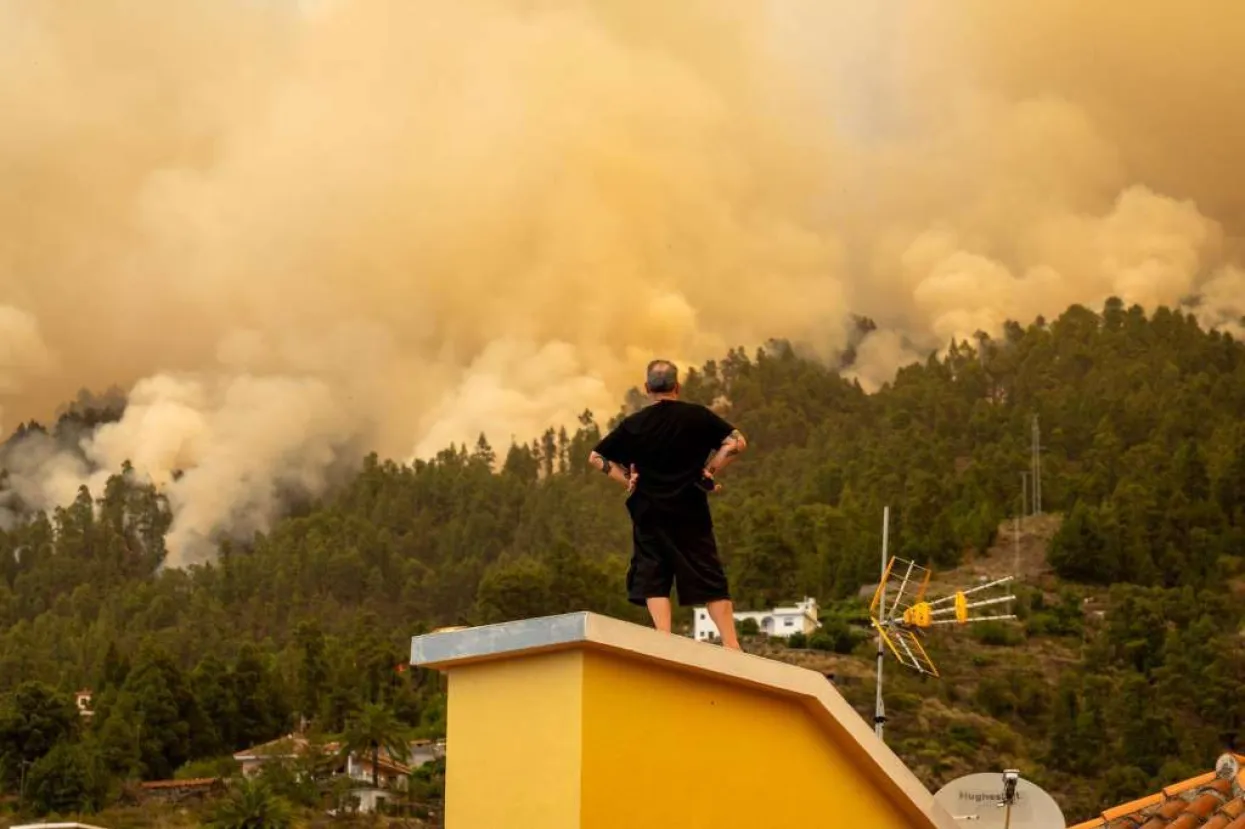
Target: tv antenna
<point>903,621</point>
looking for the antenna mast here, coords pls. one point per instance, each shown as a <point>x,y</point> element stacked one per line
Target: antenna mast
<point>879,710</point>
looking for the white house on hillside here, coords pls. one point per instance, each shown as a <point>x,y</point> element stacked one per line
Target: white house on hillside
<point>778,621</point>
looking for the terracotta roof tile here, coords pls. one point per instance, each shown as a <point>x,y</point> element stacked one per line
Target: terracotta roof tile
<point>1208,801</point>
<point>1165,813</point>
<point>195,782</point>
<point>1092,823</point>
<point>1233,808</point>
<point>1135,806</point>
<point>1192,783</point>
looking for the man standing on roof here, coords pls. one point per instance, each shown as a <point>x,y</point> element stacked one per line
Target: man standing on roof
<point>659,454</point>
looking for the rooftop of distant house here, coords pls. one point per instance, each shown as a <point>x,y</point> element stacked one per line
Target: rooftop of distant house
<point>293,745</point>
<point>188,783</point>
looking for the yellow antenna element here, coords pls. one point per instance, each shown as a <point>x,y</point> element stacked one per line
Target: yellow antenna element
<point>919,615</point>
<point>920,594</point>
<point>906,615</point>
<point>904,644</point>
<point>877,594</point>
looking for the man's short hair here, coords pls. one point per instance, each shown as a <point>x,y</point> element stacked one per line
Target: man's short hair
<point>662,376</point>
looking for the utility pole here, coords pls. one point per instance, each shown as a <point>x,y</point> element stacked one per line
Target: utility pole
<point>1037,467</point>
<point>21,786</point>
<point>879,710</point>
<point>1017,568</point>
<point>1024,493</point>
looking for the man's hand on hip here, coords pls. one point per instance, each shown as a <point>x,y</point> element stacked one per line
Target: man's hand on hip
<point>615,471</point>
<point>707,483</point>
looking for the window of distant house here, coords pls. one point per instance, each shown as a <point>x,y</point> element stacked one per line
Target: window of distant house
<point>787,623</point>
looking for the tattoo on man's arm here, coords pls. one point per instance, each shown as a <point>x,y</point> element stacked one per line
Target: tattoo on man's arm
<point>735,438</point>
<point>606,466</point>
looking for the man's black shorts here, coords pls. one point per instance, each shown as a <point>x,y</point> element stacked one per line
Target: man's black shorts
<point>674,545</point>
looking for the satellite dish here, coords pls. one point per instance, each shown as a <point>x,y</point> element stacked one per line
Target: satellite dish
<point>975,800</point>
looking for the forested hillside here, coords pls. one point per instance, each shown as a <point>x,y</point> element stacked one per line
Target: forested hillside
<point>1144,456</point>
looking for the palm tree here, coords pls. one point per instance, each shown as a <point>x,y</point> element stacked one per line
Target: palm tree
<point>252,804</point>
<point>374,727</point>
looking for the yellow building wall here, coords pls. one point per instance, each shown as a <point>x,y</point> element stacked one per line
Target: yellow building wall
<point>515,728</point>
<point>662,748</point>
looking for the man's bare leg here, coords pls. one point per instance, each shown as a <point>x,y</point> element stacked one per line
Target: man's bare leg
<point>723,615</point>
<point>661,612</point>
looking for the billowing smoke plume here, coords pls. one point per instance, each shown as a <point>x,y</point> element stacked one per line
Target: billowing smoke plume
<point>297,230</point>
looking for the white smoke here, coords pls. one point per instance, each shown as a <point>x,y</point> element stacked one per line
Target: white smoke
<point>297,232</point>
<point>1221,302</point>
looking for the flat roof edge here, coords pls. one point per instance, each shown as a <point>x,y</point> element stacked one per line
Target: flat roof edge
<point>441,650</point>
<point>530,636</point>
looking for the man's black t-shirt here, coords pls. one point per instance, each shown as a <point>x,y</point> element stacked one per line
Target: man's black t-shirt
<point>669,442</point>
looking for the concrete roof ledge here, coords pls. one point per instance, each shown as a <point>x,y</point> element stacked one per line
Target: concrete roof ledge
<point>458,647</point>
<point>450,649</point>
